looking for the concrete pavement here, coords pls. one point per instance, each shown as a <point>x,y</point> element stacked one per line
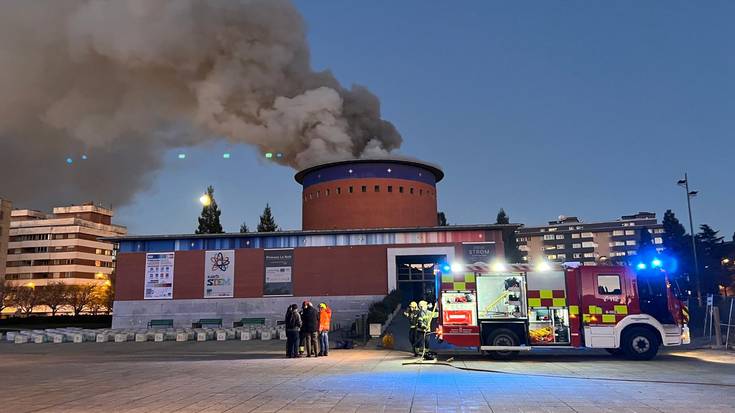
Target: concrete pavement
<point>253,376</point>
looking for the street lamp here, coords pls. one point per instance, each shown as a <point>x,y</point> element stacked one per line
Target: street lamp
<point>691,194</point>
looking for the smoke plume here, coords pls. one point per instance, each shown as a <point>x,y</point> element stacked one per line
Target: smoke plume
<point>125,80</point>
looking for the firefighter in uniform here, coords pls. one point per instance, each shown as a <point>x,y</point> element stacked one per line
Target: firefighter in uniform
<point>423,329</point>
<point>412,313</point>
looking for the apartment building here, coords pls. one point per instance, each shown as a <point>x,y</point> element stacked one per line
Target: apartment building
<point>568,239</point>
<point>5,208</point>
<point>61,246</point>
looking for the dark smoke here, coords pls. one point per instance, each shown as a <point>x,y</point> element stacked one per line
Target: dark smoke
<point>126,80</point>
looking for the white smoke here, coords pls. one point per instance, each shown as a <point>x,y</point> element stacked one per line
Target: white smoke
<point>125,80</point>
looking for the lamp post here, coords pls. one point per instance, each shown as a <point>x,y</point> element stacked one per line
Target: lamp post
<point>691,194</point>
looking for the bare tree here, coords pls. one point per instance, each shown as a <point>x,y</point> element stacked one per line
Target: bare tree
<point>5,295</point>
<point>25,298</point>
<point>80,297</point>
<point>55,295</point>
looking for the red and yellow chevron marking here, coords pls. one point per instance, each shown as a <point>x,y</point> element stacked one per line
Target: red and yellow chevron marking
<point>547,298</point>
<point>595,315</point>
<point>459,282</point>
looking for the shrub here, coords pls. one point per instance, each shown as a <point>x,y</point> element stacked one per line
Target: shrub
<point>380,310</point>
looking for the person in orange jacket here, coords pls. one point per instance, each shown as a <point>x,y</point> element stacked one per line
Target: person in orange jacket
<point>325,319</point>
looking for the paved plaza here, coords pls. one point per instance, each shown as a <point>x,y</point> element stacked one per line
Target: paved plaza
<point>253,376</point>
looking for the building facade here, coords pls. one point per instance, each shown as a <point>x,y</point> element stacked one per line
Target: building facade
<point>369,228</point>
<point>570,240</point>
<point>5,208</point>
<point>369,194</point>
<point>61,246</point>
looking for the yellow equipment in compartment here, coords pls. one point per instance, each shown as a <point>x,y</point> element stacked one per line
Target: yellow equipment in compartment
<point>542,335</point>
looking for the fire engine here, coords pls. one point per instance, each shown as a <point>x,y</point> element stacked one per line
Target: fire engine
<point>502,310</point>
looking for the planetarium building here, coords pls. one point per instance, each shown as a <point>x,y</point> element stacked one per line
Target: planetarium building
<point>369,227</point>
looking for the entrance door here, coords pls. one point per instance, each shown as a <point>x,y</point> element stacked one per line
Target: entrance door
<point>416,278</point>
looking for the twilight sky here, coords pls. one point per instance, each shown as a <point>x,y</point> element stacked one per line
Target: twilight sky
<point>592,109</point>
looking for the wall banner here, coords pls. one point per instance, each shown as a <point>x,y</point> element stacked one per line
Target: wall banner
<point>219,274</point>
<point>159,276</point>
<point>278,268</point>
<point>478,252</point>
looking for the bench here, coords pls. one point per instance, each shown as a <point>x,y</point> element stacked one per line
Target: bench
<point>249,322</point>
<point>160,323</point>
<point>207,322</point>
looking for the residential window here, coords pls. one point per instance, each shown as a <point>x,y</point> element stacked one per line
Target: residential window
<point>589,255</point>
<point>588,244</point>
<point>658,231</point>
<point>560,236</point>
<point>577,245</point>
<point>618,233</point>
<point>629,232</point>
<point>551,257</point>
<point>608,285</point>
<point>561,256</point>
<point>577,255</point>
<point>658,240</point>
<point>552,229</point>
<point>632,252</point>
<point>548,237</point>
<point>575,235</point>
<point>560,246</point>
<point>630,242</point>
<point>549,248</point>
<point>587,235</point>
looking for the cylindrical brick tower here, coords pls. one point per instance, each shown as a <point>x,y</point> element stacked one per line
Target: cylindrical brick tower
<point>369,193</point>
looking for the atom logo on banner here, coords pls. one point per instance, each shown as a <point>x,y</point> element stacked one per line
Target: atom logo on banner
<point>220,261</point>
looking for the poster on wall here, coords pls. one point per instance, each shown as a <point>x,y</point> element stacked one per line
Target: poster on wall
<point>159,276</point>
<point>219,274</point>
<point>478,253</point>
<point>278,268</point>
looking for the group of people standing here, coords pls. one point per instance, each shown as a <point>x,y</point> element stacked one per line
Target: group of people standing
<point>307,330</point>
<point>419,324</point>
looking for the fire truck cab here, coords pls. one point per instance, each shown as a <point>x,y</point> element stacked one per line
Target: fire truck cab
<point>502,311</point>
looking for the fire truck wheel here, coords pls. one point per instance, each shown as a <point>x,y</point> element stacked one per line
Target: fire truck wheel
<point>506,338</point>
<point>639,344</point>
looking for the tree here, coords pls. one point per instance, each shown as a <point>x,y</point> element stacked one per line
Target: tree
<point>267,222</point>
<point>441,219</point>
<point>708,250</point>
<point>244,228</point>
<point>674,236</point>
<point>100,299</point>
<point>25,298</point>
<point>502,218</point>
<point>209,219</point>
<point>54,295</point>
<point>5,295</point>
<point>678,244</point>
<point>80,297</point>
<point>510,244</point>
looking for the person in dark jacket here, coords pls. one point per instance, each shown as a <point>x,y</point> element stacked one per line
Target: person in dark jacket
<point>293,325</point>
<point>310,321</point>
